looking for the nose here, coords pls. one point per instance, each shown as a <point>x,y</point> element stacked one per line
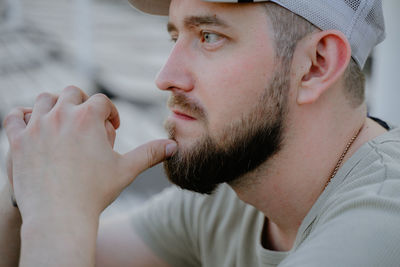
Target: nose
<point>176,73</point>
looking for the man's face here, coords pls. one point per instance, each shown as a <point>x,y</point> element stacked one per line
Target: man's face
<point>227,93</point>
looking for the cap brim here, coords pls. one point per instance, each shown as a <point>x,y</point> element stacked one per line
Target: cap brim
<point>161,7</point>
<point>154,7</point>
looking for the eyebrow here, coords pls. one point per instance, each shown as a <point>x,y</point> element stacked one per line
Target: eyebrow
<point>196,21</point>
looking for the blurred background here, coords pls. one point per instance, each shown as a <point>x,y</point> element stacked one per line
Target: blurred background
<point>107,46</point>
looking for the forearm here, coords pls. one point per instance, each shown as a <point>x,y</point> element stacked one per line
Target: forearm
<point>10,225</point>
<point>59,241</point>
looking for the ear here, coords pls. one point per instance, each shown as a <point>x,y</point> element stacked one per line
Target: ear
<point>325,56</point>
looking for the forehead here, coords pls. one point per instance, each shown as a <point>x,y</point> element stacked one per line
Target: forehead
<point>235,15</point>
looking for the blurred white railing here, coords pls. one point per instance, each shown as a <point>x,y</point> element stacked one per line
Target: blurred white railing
<point>14,14</point>
<point>83,31</point>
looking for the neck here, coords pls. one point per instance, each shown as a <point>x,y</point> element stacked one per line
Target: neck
<point>286,186</point>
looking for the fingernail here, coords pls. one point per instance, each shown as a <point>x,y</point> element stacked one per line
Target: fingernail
<point>170,149</point>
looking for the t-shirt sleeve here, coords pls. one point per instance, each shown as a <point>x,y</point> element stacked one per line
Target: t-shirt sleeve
<point>361,232</point>
<point>167,226</point>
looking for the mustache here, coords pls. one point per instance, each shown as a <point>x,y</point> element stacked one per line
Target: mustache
<point>192,107</point>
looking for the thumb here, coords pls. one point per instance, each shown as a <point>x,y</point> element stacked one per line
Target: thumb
<point>147,155</point>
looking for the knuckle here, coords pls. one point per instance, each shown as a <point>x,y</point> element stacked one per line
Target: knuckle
<point>101,97</point>
<point>10,117</point>
<point>71,89</point>
<point>7,120</point>
<point>44,96</point>
<point>99,102</point>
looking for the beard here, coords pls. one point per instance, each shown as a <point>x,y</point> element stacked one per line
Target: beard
<point>242,147</point>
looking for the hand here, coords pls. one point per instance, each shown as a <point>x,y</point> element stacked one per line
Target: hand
<point>27,115</point>
<point>63,160</point>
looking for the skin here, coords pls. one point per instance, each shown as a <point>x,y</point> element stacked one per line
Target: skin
<point>246,125</point>
<point>80,176</point>
<point>194,67</point>
<point>226,78</point>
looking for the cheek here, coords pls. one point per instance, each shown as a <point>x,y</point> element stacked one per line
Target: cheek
<point>233,88</point>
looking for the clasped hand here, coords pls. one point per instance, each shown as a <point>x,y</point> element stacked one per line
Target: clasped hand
<point>63,159</point>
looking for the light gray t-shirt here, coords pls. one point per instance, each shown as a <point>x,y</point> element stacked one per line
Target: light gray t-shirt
<point>355,221</point>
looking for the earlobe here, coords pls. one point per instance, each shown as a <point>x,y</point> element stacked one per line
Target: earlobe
<point>306,96</point>
<point>327,54</point>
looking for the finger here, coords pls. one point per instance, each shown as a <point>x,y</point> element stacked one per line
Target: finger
<point>146,156</point>
<point>72,95</point>
<point>43,104</point>
<point>111,134</point>
<point>105,108</point>
<point>14,123</point>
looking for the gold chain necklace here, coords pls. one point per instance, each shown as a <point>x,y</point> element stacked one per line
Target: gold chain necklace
<point>343,155</point>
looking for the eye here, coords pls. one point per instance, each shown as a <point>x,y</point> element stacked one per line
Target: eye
<point>209,37</point>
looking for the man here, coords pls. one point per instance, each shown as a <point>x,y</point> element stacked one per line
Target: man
<point>269,119</point>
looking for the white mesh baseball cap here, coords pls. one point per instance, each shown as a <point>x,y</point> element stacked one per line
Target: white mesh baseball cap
<point>360,20</point>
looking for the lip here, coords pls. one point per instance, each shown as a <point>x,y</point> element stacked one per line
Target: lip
<point>181,115</point>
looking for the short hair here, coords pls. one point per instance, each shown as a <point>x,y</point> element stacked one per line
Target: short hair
<point>289,28</point>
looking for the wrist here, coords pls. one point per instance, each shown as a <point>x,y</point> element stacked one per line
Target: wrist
<point>57,210</point>
<point>70,239</point>
<point>59,229</point>
<point>59,220</point>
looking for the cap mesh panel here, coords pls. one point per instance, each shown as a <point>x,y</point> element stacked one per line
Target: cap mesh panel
<point>360,20</point>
